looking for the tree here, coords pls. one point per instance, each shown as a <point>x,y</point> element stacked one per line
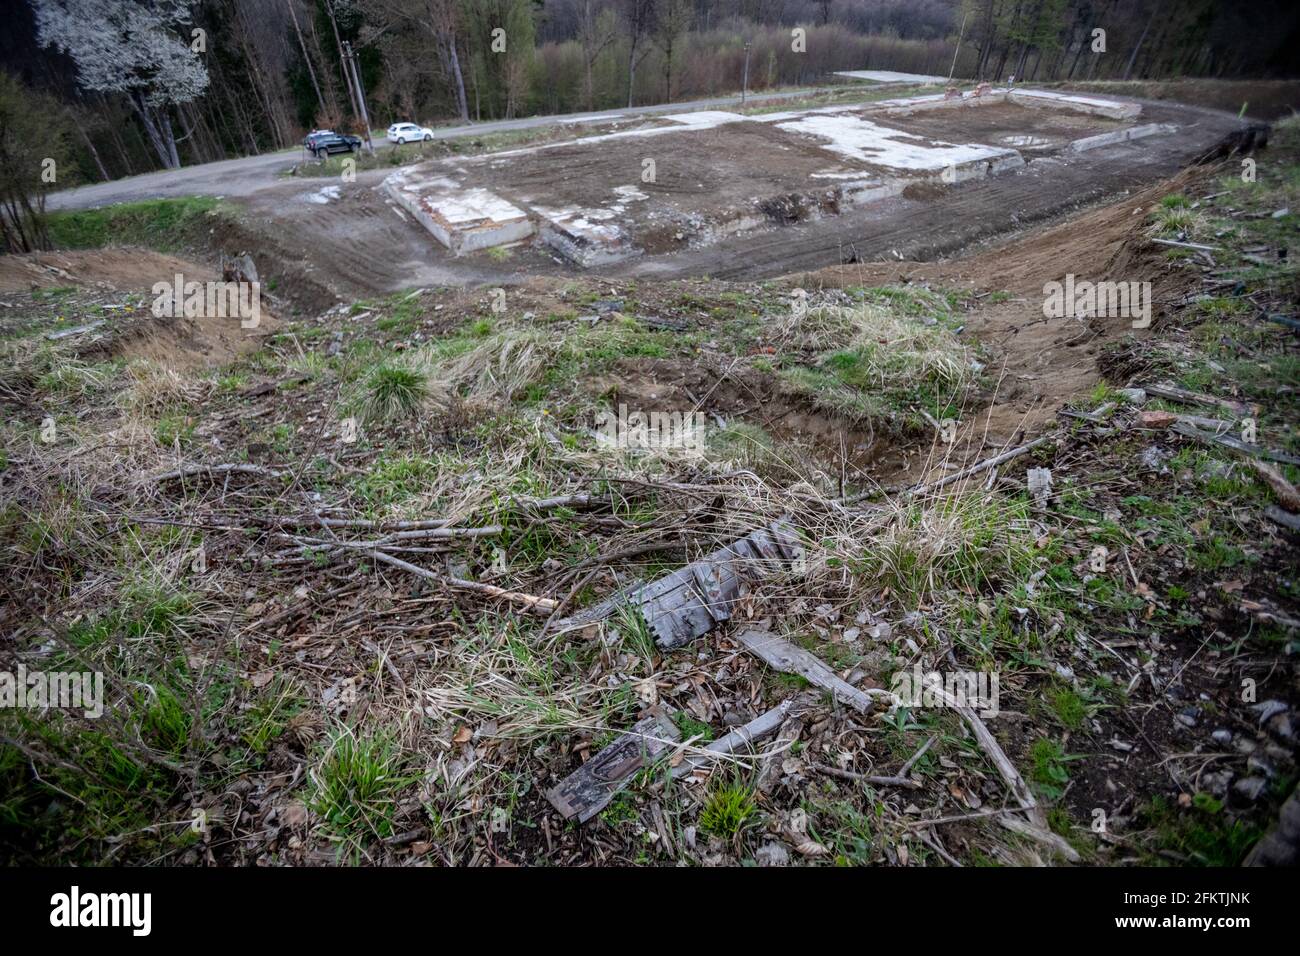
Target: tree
<point>671,25</point>
<point>638,15</point>
<point>134,48</point>
<point>596,30</point>
<point>440,20</point>
<point>501,37</point>
<point>34,154</point>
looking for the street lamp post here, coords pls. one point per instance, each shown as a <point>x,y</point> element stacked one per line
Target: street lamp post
<point>744,89</point>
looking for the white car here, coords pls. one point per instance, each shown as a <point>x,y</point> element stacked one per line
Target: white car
<point>408,133</point>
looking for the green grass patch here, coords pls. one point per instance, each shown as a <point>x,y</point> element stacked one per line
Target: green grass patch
<point>168,225</point>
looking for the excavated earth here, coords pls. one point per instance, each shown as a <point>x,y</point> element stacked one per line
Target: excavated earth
<point>730,199</point>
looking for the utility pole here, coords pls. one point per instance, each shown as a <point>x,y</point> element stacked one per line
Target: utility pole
<point>355,77</point>
<point>960,33</point>
<point>744,89</point>
<point>347,80</point>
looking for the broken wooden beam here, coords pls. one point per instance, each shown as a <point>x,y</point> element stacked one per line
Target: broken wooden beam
<point>780,654</point>
<point>1175,394</point>
<point>591,787</point>
<point>1231,441</point>
<point>981,466</point>
<point>1199,247</point>
<point>762,725</point>
<point>691,601</point>
<point>1285,518</point>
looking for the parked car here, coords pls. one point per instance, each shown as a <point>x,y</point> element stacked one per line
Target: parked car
<point>408,133</point>
<point>322,142</point>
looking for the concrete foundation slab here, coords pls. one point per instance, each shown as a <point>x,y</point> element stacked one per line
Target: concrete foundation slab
<point>889,76</point>
<point>699,177</point>
<point>1111,109</point>
<point>1122,136</point>
<point>462,219</point>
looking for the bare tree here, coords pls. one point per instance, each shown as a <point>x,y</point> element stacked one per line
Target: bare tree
<point>638,17</point>
<point>596,30</point>
<point>440,21</point>
<point>671,25</point>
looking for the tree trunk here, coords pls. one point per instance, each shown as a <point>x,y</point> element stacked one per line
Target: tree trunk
<point>169,137</point>
<point>306,57</point>
<point>1128,70</point>
<point>458,79</point>
<point>152,130</point>
<point>631,73</point>
<point>338,42</point>
<point>94,153</point>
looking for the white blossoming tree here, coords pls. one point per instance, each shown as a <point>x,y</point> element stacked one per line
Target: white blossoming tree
<point>139,48</point>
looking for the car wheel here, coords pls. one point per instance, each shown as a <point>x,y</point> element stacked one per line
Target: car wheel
<point>428,137</point>
<point>322,153</point>
<point>401,141</point>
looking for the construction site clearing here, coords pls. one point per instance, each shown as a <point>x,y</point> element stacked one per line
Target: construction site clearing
<point>694,179</point>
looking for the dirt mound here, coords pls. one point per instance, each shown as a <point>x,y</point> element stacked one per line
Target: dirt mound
<point>108,295</point>
<point>122,270</point>
<point>1262,99</point>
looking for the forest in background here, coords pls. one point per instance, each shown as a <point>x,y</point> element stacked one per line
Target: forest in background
<point>127,86</point>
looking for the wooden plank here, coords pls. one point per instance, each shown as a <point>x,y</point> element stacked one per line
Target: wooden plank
<point>1285,518</point>
<point>623,597</point>
<point>1236,444</point>
<point>1186,245</point>
<point>1176,394</point>
<point>787,658</point>
<point>762,725</point>
<point>689,602</point>
<point>591,787</point>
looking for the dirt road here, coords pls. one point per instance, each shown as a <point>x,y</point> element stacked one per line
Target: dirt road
<point>251,174</point>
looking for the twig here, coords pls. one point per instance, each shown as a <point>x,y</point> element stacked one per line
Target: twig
<point>899,781</point>
<point>983,465</point>
<point>238,468</point>
<point>535,604</point>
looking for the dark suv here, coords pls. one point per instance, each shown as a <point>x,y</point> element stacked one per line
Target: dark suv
<point>322,142</point>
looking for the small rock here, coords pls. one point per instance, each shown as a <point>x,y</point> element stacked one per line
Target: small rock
<point>1222,736</point>
<point>1250,787</point>
<point>772,854</point>
<point>1152,458</point>
<point>1269,708</point>
<point>1039,481</point>
<point>1134,396</point>
<point>1282,726</point>
<point>1156,419</point>
<point>1257,764</point>
<point>1217,783</point>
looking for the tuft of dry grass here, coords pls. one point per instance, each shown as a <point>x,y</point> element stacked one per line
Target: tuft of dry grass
<point>151,388</point>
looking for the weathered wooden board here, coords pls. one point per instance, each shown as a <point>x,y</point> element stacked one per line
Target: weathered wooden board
<point>1236,444</point>
<point>691,601</point>
<point>762,725</point>
<point>591,787</point>
<point>786,657</point>
<point>1175,394</point>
